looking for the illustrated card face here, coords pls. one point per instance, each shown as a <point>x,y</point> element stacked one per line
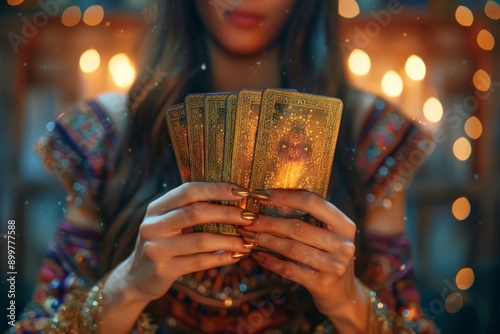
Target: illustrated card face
<point>295,144</point>
<point>177,127</point>
<point>194,104</point>
<point>245,130</point>
<point>214,127</point>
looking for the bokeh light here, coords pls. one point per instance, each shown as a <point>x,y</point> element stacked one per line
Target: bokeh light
<point>433,110</point>
<point>415,68</point>
<point>481,80</point>
<point>71,16</point>
<point>122,70</point>
<point>473,127</point>
<point>462,149</point>
<point>492,10</point>
<point>348,8</point>
<point>90,61</point>
<point>392,84</point>
<point>485,40</point>
<point>464,16</point>
<point>454,302</point>
<point>464,278</point>
<point>359,62</point>
<point>461,208</point>
<point>93,15</point>
<point>15,2</point>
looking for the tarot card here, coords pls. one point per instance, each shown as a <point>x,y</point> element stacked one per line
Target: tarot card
<point>177,127</point>
<point>214,127</point>
<point>295,144</point>
<point>231,107</point>
<point>194,104</point>
<point>245,130</point>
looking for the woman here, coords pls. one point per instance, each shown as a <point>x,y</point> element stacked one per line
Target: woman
<point>129,221</point>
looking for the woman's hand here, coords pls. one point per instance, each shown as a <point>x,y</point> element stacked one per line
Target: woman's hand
<point>166,250</point>
<point>320,259</point>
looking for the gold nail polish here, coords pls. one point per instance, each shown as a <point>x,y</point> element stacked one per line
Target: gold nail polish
<point>238,255</point>
<point>260,195</point>
<point>240,191</point>
<point>247,234</point>
<point>247,214</point>
<point>250,245</point>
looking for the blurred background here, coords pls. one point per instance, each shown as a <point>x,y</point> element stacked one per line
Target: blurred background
<point>436,59</point>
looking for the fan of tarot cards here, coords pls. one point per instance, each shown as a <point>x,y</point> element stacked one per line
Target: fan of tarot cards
<point>274,138</point>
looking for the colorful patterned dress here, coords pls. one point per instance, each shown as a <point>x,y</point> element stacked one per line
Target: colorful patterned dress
<point>244,297</point>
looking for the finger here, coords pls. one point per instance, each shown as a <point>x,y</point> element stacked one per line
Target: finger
<point>303,275</point>
<point>193,263</point>
<point>181,218</point>
<point>312,257</point>
<point>195,192</point>
<point>297,230</point>
<point>329,214</point>
<point>195,243</point>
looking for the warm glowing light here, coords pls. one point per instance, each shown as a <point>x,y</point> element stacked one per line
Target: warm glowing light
<point>359,62</point>
<point>473,127</point>
<point>71,16</point>
<point>90,61</point>
<point>481,80</point>
<point>464,278</point>
<point>461,208</point>
<point>485,40</point>
<point>454,302</point>
<point>392,84</point>
<point>464,16</point>
<point>462,149</point>
<point>14,2</point>
<point>492,10</point>
<point>93,15</point>
<point>415,68</point>
<point>348,8</point>
<point>433,110</point>
<point>122,70</point>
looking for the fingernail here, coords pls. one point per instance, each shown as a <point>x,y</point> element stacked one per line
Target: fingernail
<point>247,234</point>
<point>238,255</point>
<point>260,195</point>
<point>250,245</point>
<point>247,214</point>
<point>240,191</point>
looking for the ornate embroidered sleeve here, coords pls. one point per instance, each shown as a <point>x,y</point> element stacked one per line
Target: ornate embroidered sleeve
<point>391,149</point>
<point>77,150</point>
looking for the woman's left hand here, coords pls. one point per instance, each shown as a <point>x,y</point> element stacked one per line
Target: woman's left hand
<point>320,259</point>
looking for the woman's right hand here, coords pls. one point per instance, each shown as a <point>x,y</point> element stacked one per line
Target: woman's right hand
<point>166,249</point>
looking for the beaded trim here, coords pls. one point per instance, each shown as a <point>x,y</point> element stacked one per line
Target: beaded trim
<point>81,312</point>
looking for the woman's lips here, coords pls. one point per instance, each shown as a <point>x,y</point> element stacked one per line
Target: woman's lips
<point>244,19</point>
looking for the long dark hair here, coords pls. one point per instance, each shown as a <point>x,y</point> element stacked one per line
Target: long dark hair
<point>145,166</point>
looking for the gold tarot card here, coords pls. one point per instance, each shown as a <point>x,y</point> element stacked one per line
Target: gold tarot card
<point>194,105</point>
<point>177,127</point>
<point>295,144</point>
<point>214,116</point>
<point>245,130</point>
<point>231,107</point>
<point>214,126</point>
